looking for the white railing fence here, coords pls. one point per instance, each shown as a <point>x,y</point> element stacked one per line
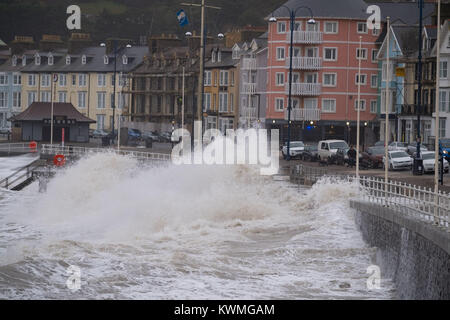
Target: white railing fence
<point>414,201</point>
<point>80,151</point>
<point>16,147</point>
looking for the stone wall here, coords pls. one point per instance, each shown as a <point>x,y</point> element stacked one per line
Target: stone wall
<point>416,255</point>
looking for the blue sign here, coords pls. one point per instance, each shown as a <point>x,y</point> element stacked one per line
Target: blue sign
<point>182,18</point>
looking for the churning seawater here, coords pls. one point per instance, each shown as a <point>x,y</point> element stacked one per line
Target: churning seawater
<point>180,232</point>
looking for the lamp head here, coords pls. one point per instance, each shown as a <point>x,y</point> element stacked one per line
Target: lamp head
<point>128,45</point>
<point>220,36</point>
<point>311,21</point>
<point>102,44</point>
<point>188,34</point>
<point>273,19</point>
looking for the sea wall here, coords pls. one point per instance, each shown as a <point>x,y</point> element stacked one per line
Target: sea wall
<point>416,255</point>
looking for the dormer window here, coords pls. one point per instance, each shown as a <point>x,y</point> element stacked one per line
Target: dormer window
<point>68,60</point>
<point>24,60</point>
<point>83,59</point>
<point>14,61</point>
<point>105,60</point>
<point>37,60</point>
<point>213,58</point>
<point>50,60</point>
<point>124,59</point>
<point>219,56</point>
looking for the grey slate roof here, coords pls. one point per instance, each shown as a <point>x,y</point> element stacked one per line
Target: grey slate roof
<point>355,9</point>
<point>39,111</point>
<point>226,61</point>
<point>408,12</point>
<point>407,37</point>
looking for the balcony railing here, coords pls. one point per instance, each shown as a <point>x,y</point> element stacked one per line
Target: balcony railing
<point>249,112</point>
<point>411,110</point>
<point>249,88</point>
<point>249,64</point>
<point>305,37</point>
<point>305,63</point>
<point>304,89</point>
<point>298,114</point>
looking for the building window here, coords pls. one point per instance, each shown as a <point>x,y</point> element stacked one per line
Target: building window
<point>124,59</point>
<point>31,97</point>
<point>74,80</point>
<point>207,78</point>
<point>31,80</point>
<point>3,99</point>
<point>37,60</point>
<point>443,101</point>
<point>62,96</point>
<point>68,60</point>
<point>375,31</point>
<point>443,70</point>
<point>17,101</point>
<point>373,106</point>
<point>83,59</point>
<point>231,103</point>
<point>100,121</point>
<point>374,81</point>
<point>45,96</point>
<point>232,78</point>
<point>329,79</point>
<point>14,61</point>
<point>82,99</point>
<point>223,78</point>
<point>17,79</point>
<point>50,60</point>
<point>213,57</point>
<point>62,80</point>
<point>329,105</point>
<point>82,80</point>
<point>281,53</point>
<point>105,60</point>
<point>330,54</point>
<point>3,79</point>
<point>362,27</point>
<point>363,79</point>
<point>45,80</point>
<point>101,96</point>
<point>374,54</point>
<point>384,72</point>
<point>207,102</point>
<point>279,104</point>
<point>362,104</point>
<point>223,102</point>
<point>310,103</point>
<point>24,61</point>
<point>281,27</point>
<point>442,124</point>
<point>311,77</point>
<point>279,79</point>
<point>331,27</point>
<point>215,78</point>
<point>101,79</point>
<point>392,98</point>
<point>361,53</point>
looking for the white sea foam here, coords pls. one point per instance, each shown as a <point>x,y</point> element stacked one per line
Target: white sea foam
<point>186,232</point>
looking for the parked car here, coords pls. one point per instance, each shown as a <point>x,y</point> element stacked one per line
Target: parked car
<point>295,149</point>
<point>412,147</point>
<point>99,133</point>
<point>398,160</point>
<point>165,136</point>
<point>373,157</point>
<point>150,135</point>
<point>341,157</point>
<point>134,134</point>
<point>5,131</point>
<point>328,148</point>
<point>398,146</point>
<point>444,147</point>
<point>309,153</point>
<point>379,144</point>
<point>428,162</point>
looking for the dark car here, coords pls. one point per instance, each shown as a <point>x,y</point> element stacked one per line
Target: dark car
<point>444,148</point>
<point>134,134</point>
<point>373,158</point>
<point>310,153</point>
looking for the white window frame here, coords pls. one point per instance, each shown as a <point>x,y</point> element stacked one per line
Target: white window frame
<point>364,51</point>
<point>3,99</point>
<point>281,24</point>
<point>373,102</point>
<point>362,104</point>
<point>277,82</point>
<point>82,101</point>
<point>336,23</point>
<point>17,99</point>
<point>63,95</point>
<point>374,84</point>
<point>101,99</point>
<point>279,56</point>
<point>361,24</point>
<point>32,80</point>
<point>374,55</point>
<point>327,74</point>
<point>33,95</point>
<point>207,101</point>
<point>17,79</point>
<point>333,110</point>
<point>45,80</point>
<point>223,78</point>
<point>223,102</point>
<point>363,76</point>
<point>82,80</point>
<point>46,96</point>
<point>443,70</point>
<point>3,79</point>
<point>330,48</point>
<point>62,80</point>
<point>208,76</point>
<point>278,102</point>
<point>101,80</point>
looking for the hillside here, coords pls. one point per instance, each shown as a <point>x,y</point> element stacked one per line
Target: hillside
<point>125,18</point>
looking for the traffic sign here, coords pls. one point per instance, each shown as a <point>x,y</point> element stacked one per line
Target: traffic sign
<point>182,18</point>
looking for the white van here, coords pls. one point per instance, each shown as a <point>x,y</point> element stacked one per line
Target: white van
<point>328,148</point>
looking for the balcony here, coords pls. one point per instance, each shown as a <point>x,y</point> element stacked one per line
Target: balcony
<point>305,63</point>
<point>249,112</point>
<point>249,64</point>
<point>298,114</point>
<point>304,89</point>
<point>305,37</point>
<point>411,110</point>
<point>248,88</point>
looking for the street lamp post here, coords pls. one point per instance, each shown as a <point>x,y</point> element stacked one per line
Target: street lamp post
<point>292,14</point>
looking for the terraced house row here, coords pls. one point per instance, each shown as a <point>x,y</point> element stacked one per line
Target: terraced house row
<point>246,79</point>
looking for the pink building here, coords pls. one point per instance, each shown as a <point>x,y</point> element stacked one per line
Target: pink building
<point>325,68</point>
